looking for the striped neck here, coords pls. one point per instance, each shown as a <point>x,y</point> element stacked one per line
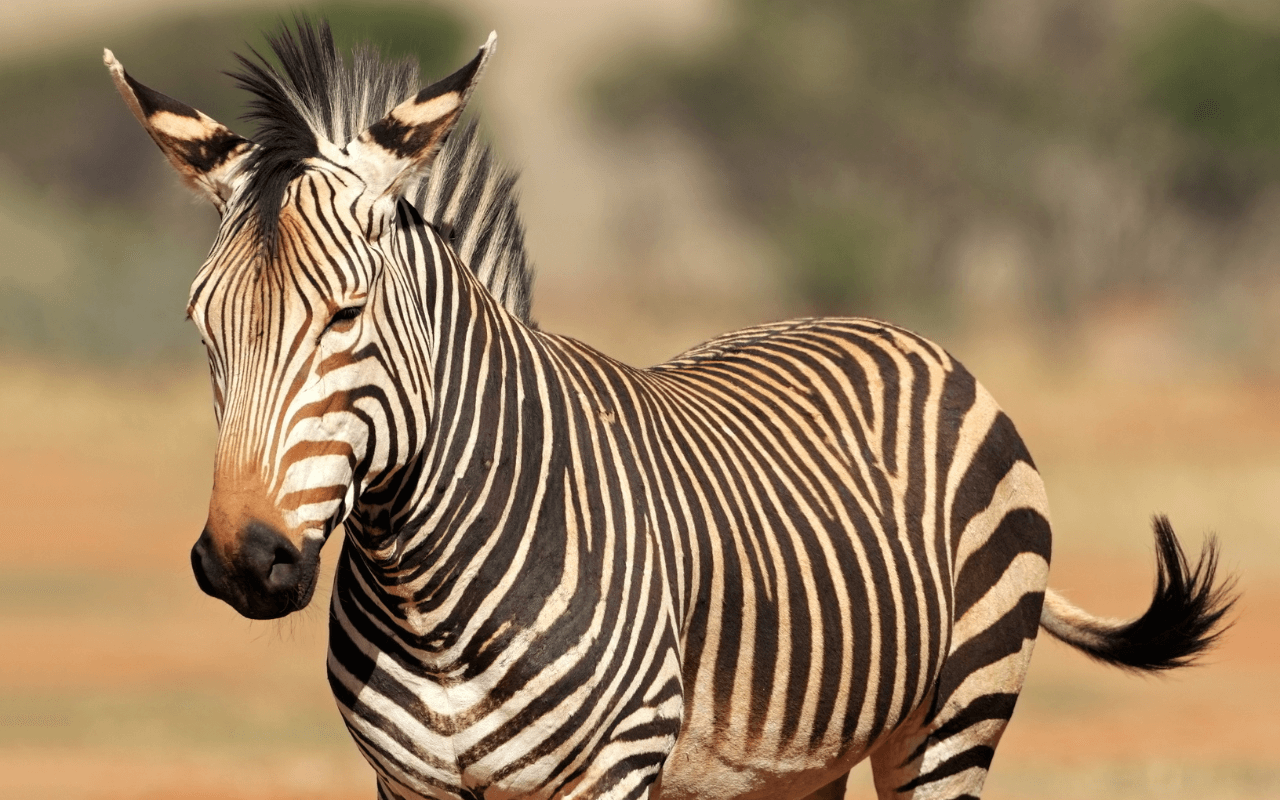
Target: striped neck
<point>465,424</point>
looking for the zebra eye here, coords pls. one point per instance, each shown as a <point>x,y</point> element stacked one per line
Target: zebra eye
<point>344,315</point>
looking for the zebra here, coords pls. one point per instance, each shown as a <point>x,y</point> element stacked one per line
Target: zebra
<point>735,574</point>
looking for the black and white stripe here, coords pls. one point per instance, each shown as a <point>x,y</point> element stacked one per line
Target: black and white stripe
<point>733,575</point>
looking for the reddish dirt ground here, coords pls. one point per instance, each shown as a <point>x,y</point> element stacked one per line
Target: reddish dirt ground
<point>120,680</point>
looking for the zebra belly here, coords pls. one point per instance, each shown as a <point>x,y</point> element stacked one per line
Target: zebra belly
<point>793,675</point>
<point>716,768</point>
<point>814,734</point>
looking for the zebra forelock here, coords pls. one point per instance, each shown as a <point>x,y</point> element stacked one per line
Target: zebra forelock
<point>316,94</point>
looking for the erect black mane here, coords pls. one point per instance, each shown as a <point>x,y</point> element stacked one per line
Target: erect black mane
<point>315,93</point>
<point>303,100</point>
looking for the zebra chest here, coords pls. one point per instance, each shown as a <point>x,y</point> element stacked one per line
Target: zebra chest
<point>512,710</point>
<point>440,736</point>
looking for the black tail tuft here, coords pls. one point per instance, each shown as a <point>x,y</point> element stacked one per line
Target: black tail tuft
<point>1186,616</point>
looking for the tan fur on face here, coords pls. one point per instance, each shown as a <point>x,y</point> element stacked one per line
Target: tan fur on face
<point>239,498</point>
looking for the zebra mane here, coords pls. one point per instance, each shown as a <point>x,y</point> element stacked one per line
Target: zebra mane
<point>471,198</point>
<point>468,195</point>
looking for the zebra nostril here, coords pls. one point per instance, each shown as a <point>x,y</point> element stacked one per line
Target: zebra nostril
<point>268,558</point>
<point>282,565</point>
<point>262,574</point>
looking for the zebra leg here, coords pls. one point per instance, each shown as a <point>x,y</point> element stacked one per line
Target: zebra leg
<point>943,749</point>
<point>832,791</point>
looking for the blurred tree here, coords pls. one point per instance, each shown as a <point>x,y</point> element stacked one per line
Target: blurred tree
<point>1218,79</point>
<point>881,143</point>
<point>1216,76</point>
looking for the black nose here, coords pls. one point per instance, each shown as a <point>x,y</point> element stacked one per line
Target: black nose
<point>263,576</point>
<point>201,563</point>
<point>267,557</point>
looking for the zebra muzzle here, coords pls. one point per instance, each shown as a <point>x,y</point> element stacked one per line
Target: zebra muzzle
<point>265,576</point>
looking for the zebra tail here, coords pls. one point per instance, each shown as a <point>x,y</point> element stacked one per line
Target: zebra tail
<point>1186,617</point>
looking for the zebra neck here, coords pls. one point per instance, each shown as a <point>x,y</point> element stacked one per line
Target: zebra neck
<point>466,506</point>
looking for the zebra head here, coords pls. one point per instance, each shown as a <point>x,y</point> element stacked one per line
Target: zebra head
<point>294,302</point>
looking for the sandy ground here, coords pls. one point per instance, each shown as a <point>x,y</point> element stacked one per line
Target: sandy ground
<point>121,680</point>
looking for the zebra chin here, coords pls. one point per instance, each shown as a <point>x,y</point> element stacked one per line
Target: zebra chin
<point>265,576</point>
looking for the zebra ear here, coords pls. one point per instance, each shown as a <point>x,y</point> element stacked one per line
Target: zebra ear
<point>205,153</point>
<point>404,143</point>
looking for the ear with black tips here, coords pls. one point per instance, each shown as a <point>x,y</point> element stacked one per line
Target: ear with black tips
<point>205,153</point>
<point>404,143</point>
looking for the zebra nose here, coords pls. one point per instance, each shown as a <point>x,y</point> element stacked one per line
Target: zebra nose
<point>268,558</point>
<point>262,576</point>
<point>202,563</point>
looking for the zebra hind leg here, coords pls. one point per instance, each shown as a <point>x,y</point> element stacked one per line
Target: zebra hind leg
<point>943,749</point>
<point>936,760</point>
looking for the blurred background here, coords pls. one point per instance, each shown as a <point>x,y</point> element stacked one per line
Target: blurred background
<point>1078,198</point>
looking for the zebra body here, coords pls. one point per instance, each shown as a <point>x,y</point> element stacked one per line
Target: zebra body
<point>733,575</point>
<point>619,534</point>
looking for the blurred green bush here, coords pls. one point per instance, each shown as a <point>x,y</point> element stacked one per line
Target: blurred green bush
<point>880,144</point>
<point>87,201</point>
<point>1218,77</point>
